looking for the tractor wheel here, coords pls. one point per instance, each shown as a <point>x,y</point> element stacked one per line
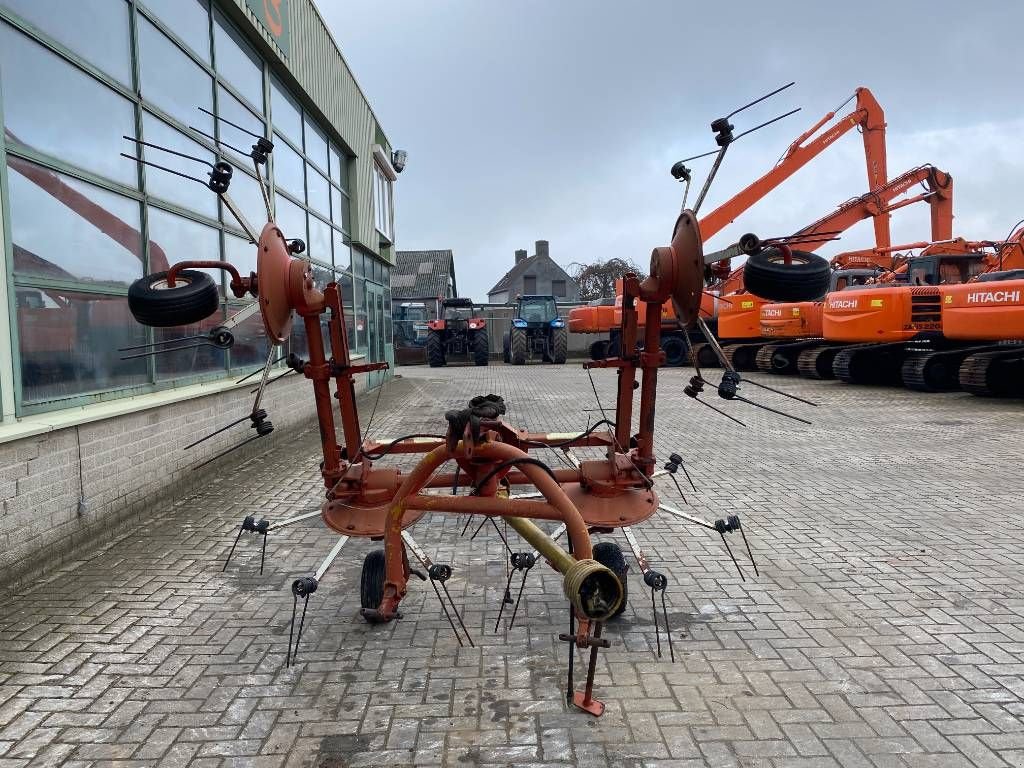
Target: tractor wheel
<point>599,350</point>
<point>435,350</point>
<point>614,347</point>
<point>806,279</point>
<point>609,554</point>
<point>675,350</point>
<point>481,348</point>
<point>371,581</point>
<point>505,354</point>
<point>559,346</point>
<point>194,297</point>
<point>518,346</point>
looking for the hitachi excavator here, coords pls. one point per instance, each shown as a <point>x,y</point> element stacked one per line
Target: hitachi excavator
<point>792,332</point>
<point>867,116</point>
<point>984,318</point>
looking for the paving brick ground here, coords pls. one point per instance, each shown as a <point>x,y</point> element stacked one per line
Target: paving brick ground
<point>886,628</point>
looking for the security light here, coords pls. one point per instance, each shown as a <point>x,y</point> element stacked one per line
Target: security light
<point>398,158</point>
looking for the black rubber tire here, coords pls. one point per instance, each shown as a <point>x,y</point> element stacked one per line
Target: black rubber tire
<point>194,297</point>
<point>609,554</point>
<point>599,349</point>
<point>517,346</point>
<point>559,346</point>
<point>435,350</point>
<point>675,350</point>
<point>806,279</point>
<point>481,348</point>
<point>614,346</point>
<point>371,582</point>
<point>505,354</point>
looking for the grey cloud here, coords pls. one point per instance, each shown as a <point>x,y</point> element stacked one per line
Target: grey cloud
<point>560,120</point>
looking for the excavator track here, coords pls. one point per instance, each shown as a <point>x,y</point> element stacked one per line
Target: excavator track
<point>705,354</point>
<point>994,374</point>
<point>784,358</point>
<point>938,371</point>
<point>743,357</point>
<point>877,364</point>
<point>816,362</point>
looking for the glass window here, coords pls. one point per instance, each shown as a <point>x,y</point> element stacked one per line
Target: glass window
<point>316,145</point>
<point>241,254</point>
<point>558,287</point>
<point>189,20</point>
<point>285,113</point>
<point>340,209</point>
<point>250,348</point>
<point>97,30</point>
<point>336,174</point>
<point>529,284</point>
<point>232,109</point>
<point>290,218</point>
<point>319,245</point>
<point>245,193</point>
<point>357,263</point>
<point>288,173</point>
<point>171,80</point>
<point>237,62</point>
<point>167,186</point>
<point>66,229</point>
<point>57,109</point>
<point>342,252</point>
<point>345,281</point>
<point>181,239</point>
<point>318,194</point>
<point>359,312</point>
<point>382,201</point>
<point>188,362</point>
<point>69,343</point>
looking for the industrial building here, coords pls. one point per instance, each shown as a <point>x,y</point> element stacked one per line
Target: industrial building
<point>90,435</point>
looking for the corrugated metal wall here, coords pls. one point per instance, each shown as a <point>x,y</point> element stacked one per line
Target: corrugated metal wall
<point>317,68</point>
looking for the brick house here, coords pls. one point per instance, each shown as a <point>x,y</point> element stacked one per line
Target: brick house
<point>537,274</point>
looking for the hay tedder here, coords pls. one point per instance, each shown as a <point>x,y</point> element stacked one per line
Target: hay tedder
<point>491,459</point>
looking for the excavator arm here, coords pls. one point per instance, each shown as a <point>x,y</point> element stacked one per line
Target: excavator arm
<point>867,115</point>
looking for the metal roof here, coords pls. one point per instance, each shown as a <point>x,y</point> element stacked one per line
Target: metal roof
<point>422,274</point>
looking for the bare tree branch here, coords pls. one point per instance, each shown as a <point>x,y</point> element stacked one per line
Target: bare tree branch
<point>597,280</point>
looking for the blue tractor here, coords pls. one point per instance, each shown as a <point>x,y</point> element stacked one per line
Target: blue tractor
<point>537,331</point>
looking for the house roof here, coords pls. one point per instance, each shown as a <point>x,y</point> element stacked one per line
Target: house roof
<point>521,268</point>
<point>419,274</point>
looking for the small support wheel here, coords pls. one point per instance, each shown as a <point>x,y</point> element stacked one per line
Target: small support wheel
<point>193,297</point>
<point>371,583</point>
<point>609,554</point>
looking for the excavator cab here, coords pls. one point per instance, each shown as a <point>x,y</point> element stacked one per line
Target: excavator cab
<point>945,269</point>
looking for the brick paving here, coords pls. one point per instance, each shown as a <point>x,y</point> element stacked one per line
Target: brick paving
<point>885,629</point>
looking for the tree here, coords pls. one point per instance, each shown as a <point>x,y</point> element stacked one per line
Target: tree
<point>597,280</point>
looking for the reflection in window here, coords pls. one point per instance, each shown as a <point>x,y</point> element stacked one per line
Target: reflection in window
<point>339,178</point>
<point>69,343</point>
<point>189,20</point>
<point>288,169</point>
<point>97,30</point>
<point>317,195</point>
<point>238,63</point>
<point>360,315</point>
<point>349,308</point>
<point>285,114</point>
<point>57,109</point>
<point>182,239</point>
<point>175,189</point>
<point>232,109</point>
<point>290,219</point>
<point>340,209</point>
<point>319,245</point>
<point>241,253</point>
<point>342,252</point>
<point>66,229</point>
<point>171,80</point>
<point>251,346</point>
<point>316,145</point>
<point>188,362</point>
<point>245,193</point>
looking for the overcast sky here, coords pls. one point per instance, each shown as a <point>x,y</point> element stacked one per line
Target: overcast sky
<point>559,119</point>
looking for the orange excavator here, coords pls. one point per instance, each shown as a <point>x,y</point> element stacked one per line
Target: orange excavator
<point>890,330</point>
<point>867,116</point>
<point>988,310</point>
<point>799,324</point>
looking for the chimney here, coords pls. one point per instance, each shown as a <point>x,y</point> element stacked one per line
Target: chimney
<point>520,256</point>
<point>542,247</point>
